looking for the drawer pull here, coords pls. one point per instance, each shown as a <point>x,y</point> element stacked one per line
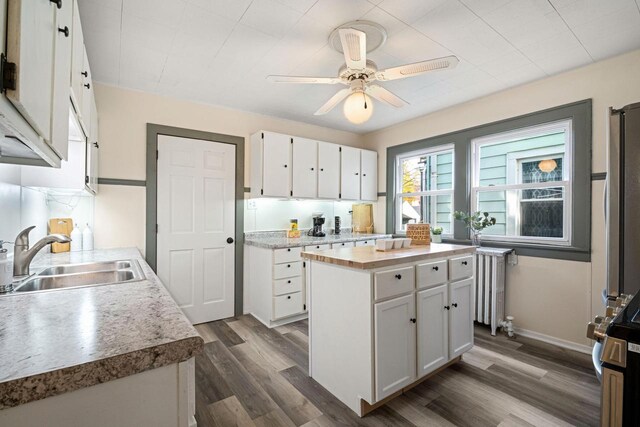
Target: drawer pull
<point>464,262</point>
<point>412,320</point>
<point>288,296</point>
<point>317,247</point>
<point>447,307</point>
<point>435,268</point>
<point>398,276</point>
<point>455,304</point>
<point>288,281</point>
<point>288,265</point>
<point>288,249</point>
<point>64,31</point>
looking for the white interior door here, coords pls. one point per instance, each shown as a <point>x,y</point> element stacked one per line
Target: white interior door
<point>196,217</point>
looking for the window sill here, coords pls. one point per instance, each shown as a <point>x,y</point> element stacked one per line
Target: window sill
<point>567,253</point>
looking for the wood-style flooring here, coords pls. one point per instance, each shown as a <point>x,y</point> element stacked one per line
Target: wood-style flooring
<point>250,375</point>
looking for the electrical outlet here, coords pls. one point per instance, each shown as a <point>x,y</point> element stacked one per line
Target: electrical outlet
<point>251,205</point>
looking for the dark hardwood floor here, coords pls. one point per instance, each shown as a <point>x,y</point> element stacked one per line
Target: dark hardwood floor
<point>250,375</point>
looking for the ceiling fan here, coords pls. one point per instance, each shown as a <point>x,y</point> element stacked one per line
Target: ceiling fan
<point>359,73</point>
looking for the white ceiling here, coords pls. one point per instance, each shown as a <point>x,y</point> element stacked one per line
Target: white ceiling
<point>220,51</point>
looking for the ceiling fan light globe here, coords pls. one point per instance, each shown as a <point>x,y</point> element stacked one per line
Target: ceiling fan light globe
<point>354,108</point>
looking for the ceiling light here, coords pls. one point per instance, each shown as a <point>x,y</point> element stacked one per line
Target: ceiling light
<point>358,108</point>
<point>547,165</point>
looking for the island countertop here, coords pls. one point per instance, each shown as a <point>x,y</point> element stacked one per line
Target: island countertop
<point>367,257</point>
<point>53,342</point>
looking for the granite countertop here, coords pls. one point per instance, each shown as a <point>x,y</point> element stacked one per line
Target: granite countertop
<point>279,240</point>
<point>53,342</point>
<point>367,257</point>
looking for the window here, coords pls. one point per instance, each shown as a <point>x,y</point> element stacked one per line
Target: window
<point>424,190</point>
<point>523,179</point>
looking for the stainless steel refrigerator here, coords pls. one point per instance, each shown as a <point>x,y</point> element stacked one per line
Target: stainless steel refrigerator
<point>623,201</point>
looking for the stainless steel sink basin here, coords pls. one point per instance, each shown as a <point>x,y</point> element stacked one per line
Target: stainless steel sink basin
<point>79,275</point>
<point>85,268</point>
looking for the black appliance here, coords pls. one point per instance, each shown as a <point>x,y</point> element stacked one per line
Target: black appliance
<point>336,227</point>
<point>318,222</point>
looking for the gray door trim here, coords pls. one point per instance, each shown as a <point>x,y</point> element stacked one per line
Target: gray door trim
<point>151,251</point>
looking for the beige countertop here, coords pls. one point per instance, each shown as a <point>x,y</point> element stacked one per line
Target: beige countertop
<point>367,257</point>
<point>53,342</point>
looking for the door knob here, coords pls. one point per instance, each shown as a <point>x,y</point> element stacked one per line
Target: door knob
<point>229,240</point>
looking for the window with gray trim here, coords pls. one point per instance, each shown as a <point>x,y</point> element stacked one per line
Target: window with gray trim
<point>553,217</point>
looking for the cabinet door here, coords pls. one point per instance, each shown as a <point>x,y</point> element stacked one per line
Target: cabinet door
<point>395,345</point>
<point>93,151</point>
<point>350,173</point>
<point>460,317</point>
<point>31,32</point>
<point>304,181</point>
<point>61,72</point>
<point>369,179</point>
<point>77,62</point>
<point>433,329</point>
<point>276,169</point>
<point>328,170</point>
<point>87,96</point>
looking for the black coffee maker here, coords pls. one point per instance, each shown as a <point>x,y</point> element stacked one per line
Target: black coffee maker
<point>318,222</point>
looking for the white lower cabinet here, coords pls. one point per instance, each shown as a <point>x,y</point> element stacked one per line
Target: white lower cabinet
<point>395,343</point>
<point>460,317</point>
<point>343,245</point>
<point>432,329</point>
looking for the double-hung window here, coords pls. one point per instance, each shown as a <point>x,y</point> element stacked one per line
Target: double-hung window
<point>425,185</point>
<point>523,179</point>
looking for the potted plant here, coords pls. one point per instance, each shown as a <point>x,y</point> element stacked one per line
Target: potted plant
<point>437,234</point>
<point>475,222</point>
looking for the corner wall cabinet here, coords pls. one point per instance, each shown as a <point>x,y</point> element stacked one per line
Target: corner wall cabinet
<point>286,166</point>
<point>47,67</point>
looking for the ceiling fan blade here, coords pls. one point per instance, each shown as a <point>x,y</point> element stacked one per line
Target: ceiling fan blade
<point>307,80</point>
<point>354,45</point>
<point>331,103</point>
<point>383,95</point>
<point>417,68</point>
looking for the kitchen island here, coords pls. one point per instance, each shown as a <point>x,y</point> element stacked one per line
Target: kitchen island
<point>117,354</point>
<point>380,322</point>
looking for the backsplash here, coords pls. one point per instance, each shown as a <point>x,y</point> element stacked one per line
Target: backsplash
<point>273,214</point>
<point>21,207</point>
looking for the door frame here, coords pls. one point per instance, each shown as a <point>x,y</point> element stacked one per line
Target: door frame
<point>151,239</point>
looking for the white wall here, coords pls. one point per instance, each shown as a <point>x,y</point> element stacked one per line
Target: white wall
<point>550,297</point>
<point>124,114</point>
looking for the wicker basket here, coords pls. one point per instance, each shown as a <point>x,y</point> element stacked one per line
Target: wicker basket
<point>420,234</point>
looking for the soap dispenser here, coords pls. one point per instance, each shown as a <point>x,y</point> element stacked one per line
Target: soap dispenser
<point>6,270</point>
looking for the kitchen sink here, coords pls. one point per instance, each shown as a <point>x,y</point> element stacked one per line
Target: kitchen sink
<point>80,275</point>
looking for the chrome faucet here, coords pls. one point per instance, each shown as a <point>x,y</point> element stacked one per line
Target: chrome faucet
<point>23,254</point>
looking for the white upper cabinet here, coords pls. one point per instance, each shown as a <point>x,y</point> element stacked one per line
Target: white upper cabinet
<point>369,175</point>
<point>87,96</point>
<point>93,151</point>
<point>460,317</point>
<point>61,72</point>
<point>77,62</point>
<point>31,35</point>
<point>350,173</point>
<point>289,166</point>
<point>304,181</point>
<point>328,170</point>
<point>271,165</point>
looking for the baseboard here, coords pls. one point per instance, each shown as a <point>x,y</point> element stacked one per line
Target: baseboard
<point>581,348</point>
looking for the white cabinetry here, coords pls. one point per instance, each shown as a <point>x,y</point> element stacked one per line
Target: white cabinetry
<point>328,171</point>
<point>460,318</point>
<point>342,245</point>
<point>350,173</point>
<point>304,181</point>
<point>369,175</point>
<point>271,164</point>
<point>61,72</point>
<point>395,342</point>
<point>433,329</point>
<point>77,62</point>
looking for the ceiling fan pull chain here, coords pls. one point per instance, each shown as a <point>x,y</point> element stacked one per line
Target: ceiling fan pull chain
<point>365,100</point>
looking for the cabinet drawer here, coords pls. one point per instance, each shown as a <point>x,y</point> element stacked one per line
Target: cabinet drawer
<point>287,286</point>
<point>366,242</point>
<point>431,274</point>
<point>286,255</point>
<point>343,245</point>
<point>461,267</point>
<point>317,247</point>
<point>287,305</point>
<point>394,282</point>
<point>290,269</point>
